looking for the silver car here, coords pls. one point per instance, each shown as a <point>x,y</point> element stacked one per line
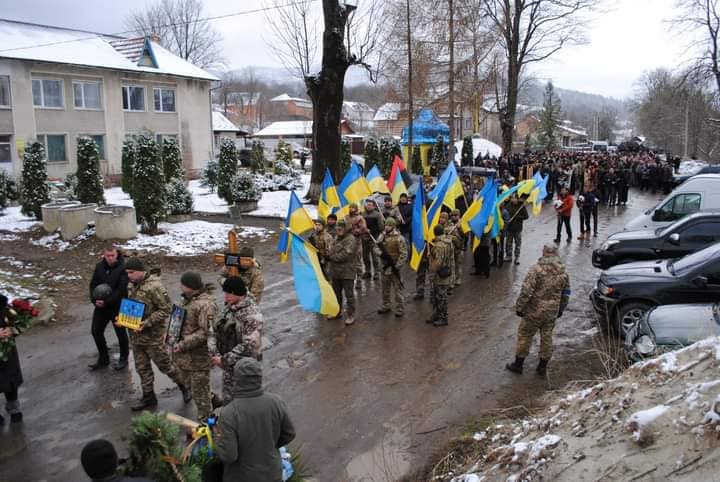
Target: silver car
<point>668,327</point>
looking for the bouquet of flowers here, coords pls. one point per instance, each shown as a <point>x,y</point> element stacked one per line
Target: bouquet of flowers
<point>19,318</point>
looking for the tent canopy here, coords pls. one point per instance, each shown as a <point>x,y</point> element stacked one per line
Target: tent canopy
<point>426,127</point>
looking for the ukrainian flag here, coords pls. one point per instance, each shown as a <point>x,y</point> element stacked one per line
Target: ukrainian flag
<point>396,184</point>
<point>448,187</point>
<point>354,187</point>
<point>298,221</point>
<point>329,198</point>
<point>538,194</point>
<point>376,181</point>
<point>313,291</point>
<point>419,228</point>
<point>476,217</point>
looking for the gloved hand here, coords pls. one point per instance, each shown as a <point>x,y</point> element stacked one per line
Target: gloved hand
<point>520,314</point>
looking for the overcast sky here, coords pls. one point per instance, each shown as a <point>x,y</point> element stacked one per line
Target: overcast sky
<point>624,42</point>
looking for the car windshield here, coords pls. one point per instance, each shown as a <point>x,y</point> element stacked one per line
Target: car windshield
<point>682,266</point>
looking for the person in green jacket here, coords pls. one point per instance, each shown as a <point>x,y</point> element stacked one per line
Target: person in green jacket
<point>252,428</point>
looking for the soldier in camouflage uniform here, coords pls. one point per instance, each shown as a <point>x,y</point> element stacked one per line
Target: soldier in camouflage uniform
<point>543,298</point>
<point>190,354</point>
<point>390,211</point>
<point>395,255</point>
<point>459,240</point>
<point>441,262</point>
<point>343,256</point>
<point>148,342</point>
<point>250,271</point>
<point>322,242</point>
<point>237,333</point>
<point>356,223</point>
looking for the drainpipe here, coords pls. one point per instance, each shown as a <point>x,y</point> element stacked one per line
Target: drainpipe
<point>212,132</point>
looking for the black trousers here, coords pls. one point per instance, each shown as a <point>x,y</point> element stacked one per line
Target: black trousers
<point>566,221</point>
<point>482,259</point>
<point>99,323</point>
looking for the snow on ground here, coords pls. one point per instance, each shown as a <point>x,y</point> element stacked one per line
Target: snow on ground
<point>273,203</point>
<point>480,146</point>
<point>660,420</point>
<point>11,219</point>
<point>192,238</point>
<point>56,243</point>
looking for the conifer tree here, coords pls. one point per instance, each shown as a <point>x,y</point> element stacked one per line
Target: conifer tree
<point>439,158</point>
<point>149,190</point>
<point>35,191</point>
<point>227,168</point>
<point>128,159</point>
<point>416,166</point>
<point>172,160</point>
<point>89,180</point>
<point>346,156</point>
<point>549,118</point>
<point>257,156</point>
<point>467,152</point>
<point>371,153</point>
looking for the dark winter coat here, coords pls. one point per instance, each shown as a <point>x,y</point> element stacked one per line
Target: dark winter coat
<point>10,373</point>
<point>252,428</point>
<point>116,277</point>
<point>518,214</point>
<point>406,211</point>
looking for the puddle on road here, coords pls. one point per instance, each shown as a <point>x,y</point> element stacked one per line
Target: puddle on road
<point>387,461</point>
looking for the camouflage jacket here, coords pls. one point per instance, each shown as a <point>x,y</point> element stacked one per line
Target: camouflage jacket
<point>395,246</point>
<point>153,294</point>
<point>546,288</point>
<point>343,255</point>
<point>442,255</point>
<point>322,242</point>
<point>457,237</point>
<point>253,278</point>
<point>393,212</point>
<point>200,314</point>
<point>237,333</point>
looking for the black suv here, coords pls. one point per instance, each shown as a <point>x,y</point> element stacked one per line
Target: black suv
<point>689,234</point>
<point>624,293</point>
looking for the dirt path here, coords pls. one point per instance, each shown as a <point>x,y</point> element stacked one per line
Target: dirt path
<point>370,402</point>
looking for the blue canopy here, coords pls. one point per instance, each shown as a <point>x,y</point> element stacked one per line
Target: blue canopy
<point>426,127</point>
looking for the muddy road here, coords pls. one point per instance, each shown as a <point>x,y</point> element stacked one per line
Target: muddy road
<point>370,402</point>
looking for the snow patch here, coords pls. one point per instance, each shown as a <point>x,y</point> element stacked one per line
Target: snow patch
<point>644,418</point>
<point>14,221</point>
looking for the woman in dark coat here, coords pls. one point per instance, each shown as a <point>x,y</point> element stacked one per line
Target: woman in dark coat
<point>10,373</point>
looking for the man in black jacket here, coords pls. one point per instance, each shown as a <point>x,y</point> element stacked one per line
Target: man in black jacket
<point>109,271</point>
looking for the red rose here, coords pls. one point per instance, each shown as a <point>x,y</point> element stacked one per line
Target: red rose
<point>34,312</point>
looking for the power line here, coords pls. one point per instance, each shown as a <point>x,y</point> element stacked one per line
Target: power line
<point>117,34</point>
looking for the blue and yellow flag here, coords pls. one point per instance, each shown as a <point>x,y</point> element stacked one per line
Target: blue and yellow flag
<point>538,194</point>
<point>376,181</point>
<point>298,221</point>
<point>329,199</point>
<point>419,226</point>
<point>396,183</point>
<point>448,187</point>
<point>476,217</point>
<point>313,291</point>
<point>354,187</point>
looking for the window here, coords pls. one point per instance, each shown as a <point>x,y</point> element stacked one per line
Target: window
<point>679,206</point>
<point>5,149</point>
<point>701,232</point>
<point>468,123</point>
<point>100,141</point>
<point>133,98</point>
<point>88,95</point>
<point>4,91</point>
<point>54,147</point>
<point>164,100</point>
<point>47,93</point>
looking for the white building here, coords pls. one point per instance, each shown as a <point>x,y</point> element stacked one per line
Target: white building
<point>57,84</point>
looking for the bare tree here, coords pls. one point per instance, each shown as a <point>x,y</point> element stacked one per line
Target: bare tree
<point>703,18</point>
<point>531,31</point>
<point>181,28</point>
<point>294,35</point>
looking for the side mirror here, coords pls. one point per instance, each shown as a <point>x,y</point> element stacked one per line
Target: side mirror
<point>674,238</point>
<point>700,282</point>
<point>658,215</point>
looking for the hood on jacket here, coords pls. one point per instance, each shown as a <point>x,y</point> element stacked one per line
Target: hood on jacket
<point>247,375</point>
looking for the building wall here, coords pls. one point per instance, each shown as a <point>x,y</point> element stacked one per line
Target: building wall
<point>191,121</point>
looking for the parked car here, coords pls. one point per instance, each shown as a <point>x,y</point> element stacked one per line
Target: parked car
<point>691,233</point>
<point>672,326</point>
<point>701,192</point>
<point>684,175</point>
<point>624,293</point>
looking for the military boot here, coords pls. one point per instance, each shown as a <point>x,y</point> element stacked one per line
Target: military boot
<point>187,396</point>
<point>516,366</point>
<point>121,364</point>
<point>148,400</point>
<point>542,367</point>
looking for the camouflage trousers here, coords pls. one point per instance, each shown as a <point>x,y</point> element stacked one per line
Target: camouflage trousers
<point>370,258</point>
<point>346,287</point>
<point>526,333</point>
<point>509,240</point>
<point>439,301</point>
<point>144,356</point>
<point>198,382</point>
<point>228,383</point>
<point>459,258</point>
<point>392,282</point>
<point>420,277</point>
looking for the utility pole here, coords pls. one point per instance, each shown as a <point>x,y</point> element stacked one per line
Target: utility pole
<point>687,124</point>
<point>451,77</point>
<point>410,151</point>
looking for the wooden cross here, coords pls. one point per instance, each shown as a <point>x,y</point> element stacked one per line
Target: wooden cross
<point>219,258</point>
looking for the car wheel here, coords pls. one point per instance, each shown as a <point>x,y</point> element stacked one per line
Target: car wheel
<point>629,314</point>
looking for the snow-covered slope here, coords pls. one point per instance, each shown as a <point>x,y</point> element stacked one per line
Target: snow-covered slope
<point>660,420</point>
